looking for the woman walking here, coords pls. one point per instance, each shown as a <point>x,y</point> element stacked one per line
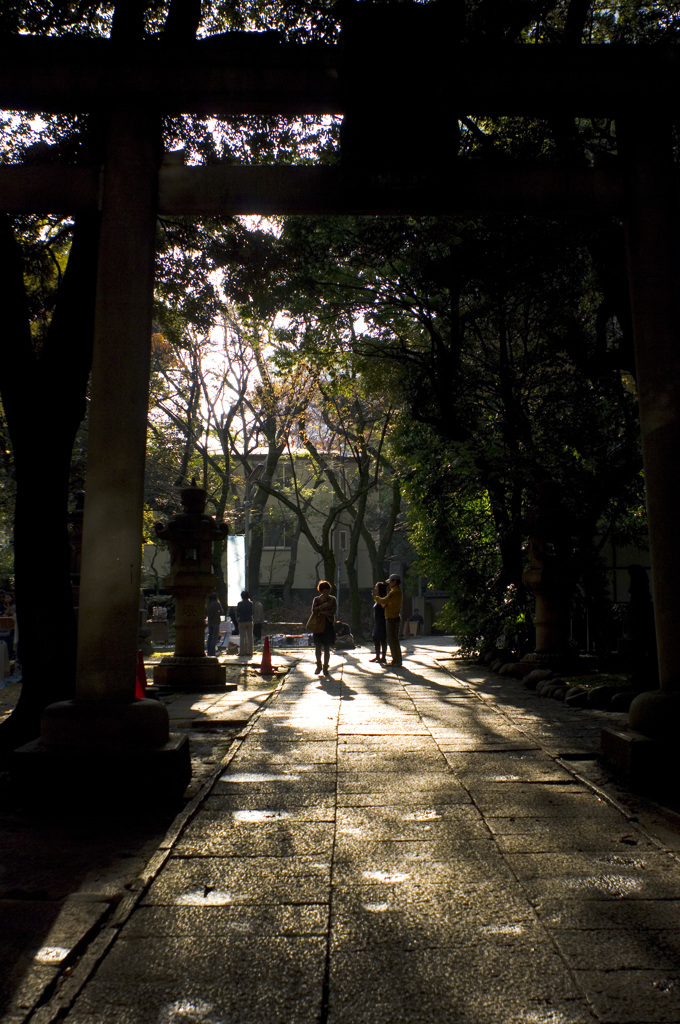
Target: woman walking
<point>322,624</point>
<point>379,627</point>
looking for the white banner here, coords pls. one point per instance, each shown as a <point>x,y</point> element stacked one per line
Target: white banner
<point>236,569</point>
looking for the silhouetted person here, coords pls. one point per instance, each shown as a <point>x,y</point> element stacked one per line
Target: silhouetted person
<point>379,625</point>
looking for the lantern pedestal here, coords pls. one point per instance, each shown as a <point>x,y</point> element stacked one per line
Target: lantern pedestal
<point>548,579</point>
<point>191,675</point>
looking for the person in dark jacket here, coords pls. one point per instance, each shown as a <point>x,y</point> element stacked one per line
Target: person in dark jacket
<point>244,614</point>
<point>379,628</point>
<point>392,605</point>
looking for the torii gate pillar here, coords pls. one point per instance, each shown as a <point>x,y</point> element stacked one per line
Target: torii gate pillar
<point>653,246</point>
<point>105,741</point>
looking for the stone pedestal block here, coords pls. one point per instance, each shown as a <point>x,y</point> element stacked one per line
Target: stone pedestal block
<point>96,753</point>
<point>648,765</point>
<point>629,754</point>
<point>98,780</point>
<point>159,631</point>
<point>191,675</point>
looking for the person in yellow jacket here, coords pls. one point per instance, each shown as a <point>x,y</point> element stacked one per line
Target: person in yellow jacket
<point>392,605</point>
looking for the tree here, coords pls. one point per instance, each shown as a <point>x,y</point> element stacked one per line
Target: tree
<point>46,367</point>
<point>7,489</point>
<point>503,345</point>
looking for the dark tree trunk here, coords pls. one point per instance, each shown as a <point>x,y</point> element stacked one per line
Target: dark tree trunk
<point>44,393</point>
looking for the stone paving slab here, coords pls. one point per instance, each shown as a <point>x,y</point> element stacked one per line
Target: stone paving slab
<point>243,919</point>
<point>237,981</point>
<point>210,881</point>
<point>236,707</point>
<point>426,916</point>
<point>409,762</point>
<point>620,950</point>
<point>458,744</point>
<point>407,868</point>
<point>501,800</point>
<point>375,729</point>
<point>372,825</point>
<point>425,799</point>
<point>633,997</point>
<point>370,744</point>
<point>275,768</point>
<point>553,835</point>
<point>645,873</point>
<point>452,985</point>
<point>593,914</point>
<point>309,807</point>
<point>277,781</point>
<point>282,840</point>
<point>290,752</point>
<point>506,766</point>
<point>404,815</point>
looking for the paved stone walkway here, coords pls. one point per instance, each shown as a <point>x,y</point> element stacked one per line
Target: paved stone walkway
<point>392,848</point>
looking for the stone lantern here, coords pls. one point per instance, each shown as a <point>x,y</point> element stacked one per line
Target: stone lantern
<point>548,579</point>
<point>190,537</point>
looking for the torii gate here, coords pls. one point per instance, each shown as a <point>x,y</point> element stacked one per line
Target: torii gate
<point>248,73</point>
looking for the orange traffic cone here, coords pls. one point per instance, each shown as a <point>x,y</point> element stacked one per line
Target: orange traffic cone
<point>266,668</point>
<point>140,679</point>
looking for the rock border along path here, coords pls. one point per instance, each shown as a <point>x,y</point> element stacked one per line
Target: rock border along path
<point>400,847</point>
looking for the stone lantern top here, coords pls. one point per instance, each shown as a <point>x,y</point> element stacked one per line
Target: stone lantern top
<point>190,536</point>
<point>193,498</point>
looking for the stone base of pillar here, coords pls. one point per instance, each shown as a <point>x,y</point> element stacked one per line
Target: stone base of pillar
<point>191,675</point>
<point>560,661</point>
<point>95,754</point>
<point>138,724</point>
<point>647,765</point>
<point>656,713</point>
<point>94,782</point>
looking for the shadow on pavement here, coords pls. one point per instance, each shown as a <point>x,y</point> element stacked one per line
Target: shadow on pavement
<point>59,880</point>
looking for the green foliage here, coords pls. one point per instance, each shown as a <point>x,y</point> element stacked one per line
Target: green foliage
<point>507,350</point>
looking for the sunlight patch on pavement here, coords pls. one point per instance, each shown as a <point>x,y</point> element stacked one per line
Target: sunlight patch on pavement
<point>386,876</point>
<point>203,898</point>
<point>428,815</point>
<point>504,929</point>
<point>257,816</point>
<point>188,1011</point>
<point>51,954</point>
<point>616,885</point>
<point>257,777</point>
<point>539,1017</point>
